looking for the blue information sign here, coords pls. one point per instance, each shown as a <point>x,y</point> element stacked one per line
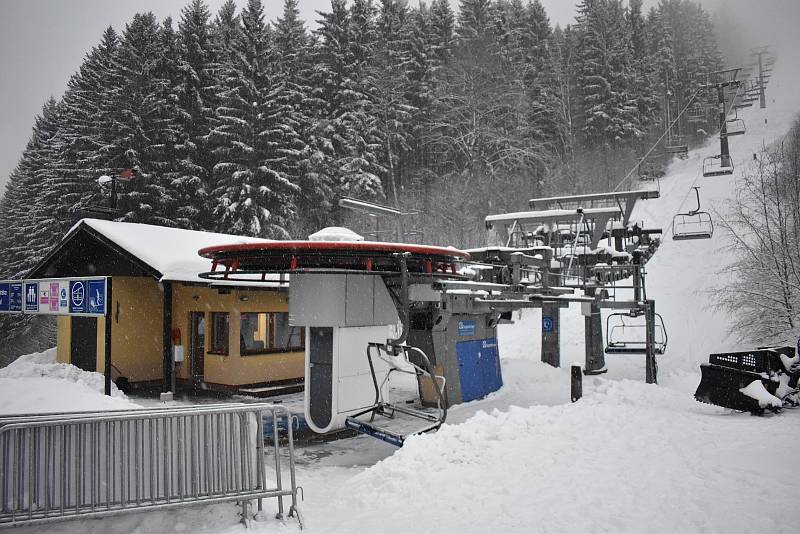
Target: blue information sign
<point>547,324</point>
<point>96,297</point>
<point>78,301</point>
<point>5,297</point>
<point>466,328</point>
<point>15,297</point>
<point>31,296</point>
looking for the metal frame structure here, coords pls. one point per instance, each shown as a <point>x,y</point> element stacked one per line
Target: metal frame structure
<point>620,341</point>
<point>649,169</point>
<point>721,164</point>
<point>77,465</point>
<point>715,166</point>
<point>560,226</point>
<point>735,126</point>
<point>694,224</point>
<point>377,211</point>
<point>624,200</point>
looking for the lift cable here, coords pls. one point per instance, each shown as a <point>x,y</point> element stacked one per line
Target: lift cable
<point>700,172</point>
<point>666,131</point>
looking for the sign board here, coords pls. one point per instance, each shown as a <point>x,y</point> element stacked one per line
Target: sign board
<point>466,328</point>
<point>547,324</point>
<point>11,297</point>
<point>54,296</point>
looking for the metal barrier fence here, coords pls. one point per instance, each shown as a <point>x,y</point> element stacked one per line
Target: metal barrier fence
<point>79,465</point>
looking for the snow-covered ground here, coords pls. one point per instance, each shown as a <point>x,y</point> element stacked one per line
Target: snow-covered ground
<point>35,383</point>
<point>628,457</point>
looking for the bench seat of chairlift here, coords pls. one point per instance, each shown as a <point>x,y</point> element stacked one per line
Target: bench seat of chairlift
<point>718,172</point>
<point>625,349</point>
<point>691,235</point>
<point>677,149</point>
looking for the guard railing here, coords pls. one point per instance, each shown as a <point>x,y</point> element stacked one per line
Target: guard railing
<point>95,464</point>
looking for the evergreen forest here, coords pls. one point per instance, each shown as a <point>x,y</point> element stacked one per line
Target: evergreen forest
<point>254,122</point>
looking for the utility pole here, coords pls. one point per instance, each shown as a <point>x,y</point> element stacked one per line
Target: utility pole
<point>761,52</point>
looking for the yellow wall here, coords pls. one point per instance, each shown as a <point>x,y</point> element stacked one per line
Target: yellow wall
<point>233,369</point>
<point>136,314</point>
<point>135,330</point>
<point>136,334</point>
<point>63,339</point>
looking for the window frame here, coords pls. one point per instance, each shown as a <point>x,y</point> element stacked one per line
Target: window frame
<point>212,349</point>
<point>270,347</point>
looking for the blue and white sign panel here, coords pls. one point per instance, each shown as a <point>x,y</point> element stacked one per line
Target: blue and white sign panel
<point>11,296</point>
<point>55,296</point>
<point>466,328</point>
<point>31,297</point>
<point>547,324</point>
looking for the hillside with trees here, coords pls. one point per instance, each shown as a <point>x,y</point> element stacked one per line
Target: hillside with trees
<point>248,122</point>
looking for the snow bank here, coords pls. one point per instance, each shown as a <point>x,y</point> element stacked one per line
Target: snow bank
<point>35,383</point>
<point>630,458</point>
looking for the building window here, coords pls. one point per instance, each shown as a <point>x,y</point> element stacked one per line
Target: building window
<point>219,333</point>
<point>269,332</point>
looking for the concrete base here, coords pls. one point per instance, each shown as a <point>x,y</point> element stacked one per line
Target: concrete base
<point>168,396</point>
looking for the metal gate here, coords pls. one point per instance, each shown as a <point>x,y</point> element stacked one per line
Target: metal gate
<point>79,465</point>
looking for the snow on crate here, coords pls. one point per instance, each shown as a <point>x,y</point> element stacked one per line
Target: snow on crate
<point>36,383</point>
<point>756,391</point>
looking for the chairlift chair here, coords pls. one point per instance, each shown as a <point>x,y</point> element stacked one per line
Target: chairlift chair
<point>733,127</point>
<point>626,333</point>
<point>694,224</point>
<point>649,169</point>
<point>696,114</point>
<point>717,166</point>
<point>677,145</point>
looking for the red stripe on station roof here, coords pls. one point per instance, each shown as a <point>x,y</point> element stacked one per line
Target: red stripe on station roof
<point>332,246</point>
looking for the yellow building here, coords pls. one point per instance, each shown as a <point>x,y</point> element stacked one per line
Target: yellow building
<point>217,335</point>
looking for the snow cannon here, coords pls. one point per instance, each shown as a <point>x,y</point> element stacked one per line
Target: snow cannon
<point>751,381</point>
<point>370,309</point>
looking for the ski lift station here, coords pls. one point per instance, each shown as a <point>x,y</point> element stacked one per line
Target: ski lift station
<point>335,315</point>
<point>133,290</point>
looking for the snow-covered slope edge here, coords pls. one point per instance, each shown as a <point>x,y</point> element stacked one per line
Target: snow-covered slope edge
<point>628,457</point>
<point>35,383</point>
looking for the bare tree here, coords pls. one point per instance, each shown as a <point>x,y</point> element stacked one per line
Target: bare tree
<point>763,294</point>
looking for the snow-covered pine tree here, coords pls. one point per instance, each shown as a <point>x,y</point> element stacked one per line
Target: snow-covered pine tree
<point>347,146</point>
<point>390,78</point>
<point>89,139</point>
<point>196,98</point>
<point>420,93</point>
<point>442,31</point>
<point>254,196</point>
<point>138,125</point>
<point>609,109</point>
<point>663,60</point>
<point>167,138</point>
<point>291,63</point>
<point>642,69</point>
<point>26,230</point>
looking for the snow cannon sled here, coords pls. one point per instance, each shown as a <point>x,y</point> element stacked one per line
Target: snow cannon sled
<point>751,381</point>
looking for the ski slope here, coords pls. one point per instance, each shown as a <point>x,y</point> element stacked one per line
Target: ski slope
<point>628,457</point>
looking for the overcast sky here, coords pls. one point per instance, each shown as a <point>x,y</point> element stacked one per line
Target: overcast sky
<point>42,42</point>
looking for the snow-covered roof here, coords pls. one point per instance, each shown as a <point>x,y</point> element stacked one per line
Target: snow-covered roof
<point>170,251</point>
<point>554,214</point>
<point>335,233</point>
